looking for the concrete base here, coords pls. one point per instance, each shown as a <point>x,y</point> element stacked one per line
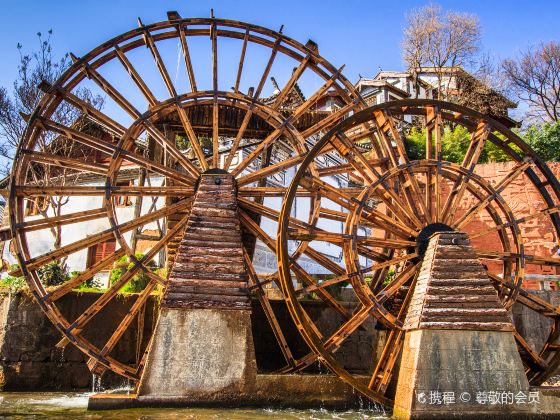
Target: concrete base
<point>446,373</point>
<point>294,391</point>
<point>200,354</point>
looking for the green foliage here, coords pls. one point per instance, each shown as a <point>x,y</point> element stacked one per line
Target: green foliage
<point>545,140</point>
<point>138,282</point>
<point>53,273</point>
<point>415,144</point>
<point>13,283</point>
<point>454,144</point>
<point>87,285</point>
<point>389,277</point>
<point>182,142</point>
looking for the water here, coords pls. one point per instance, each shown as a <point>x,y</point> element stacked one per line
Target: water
<point>53,405</point>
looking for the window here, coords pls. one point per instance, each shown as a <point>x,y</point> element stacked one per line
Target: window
<point>100,251</point>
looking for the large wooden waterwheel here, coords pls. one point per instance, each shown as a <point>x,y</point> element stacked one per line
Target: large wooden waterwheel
<point>402,202</point>
<point>183,97</point>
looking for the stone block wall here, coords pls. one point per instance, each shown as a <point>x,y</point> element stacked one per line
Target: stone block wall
<point>30,361</point>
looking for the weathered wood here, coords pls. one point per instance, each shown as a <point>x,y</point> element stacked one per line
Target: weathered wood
<point>201,279</point>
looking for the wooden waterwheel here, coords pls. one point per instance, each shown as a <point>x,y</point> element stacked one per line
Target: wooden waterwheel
<point>402,201</point>
<point>182,97</point>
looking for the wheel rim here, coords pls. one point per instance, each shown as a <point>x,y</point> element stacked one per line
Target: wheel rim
<point>397,207</point>
<point>282,131</point>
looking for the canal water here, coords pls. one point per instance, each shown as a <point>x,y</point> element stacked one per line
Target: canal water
<point>52,405</point>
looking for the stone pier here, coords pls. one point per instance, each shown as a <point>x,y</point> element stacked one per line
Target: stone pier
<point>202,349</point>
<point>459,355</point>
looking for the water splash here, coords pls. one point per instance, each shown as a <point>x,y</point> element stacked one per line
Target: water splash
<point>96,383</point>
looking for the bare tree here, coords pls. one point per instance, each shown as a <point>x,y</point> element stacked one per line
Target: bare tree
<point>33,69</point>
<point>535,77</point>
<point>438,39</point>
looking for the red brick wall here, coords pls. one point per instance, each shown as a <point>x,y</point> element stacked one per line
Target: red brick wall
<point>524,200</point>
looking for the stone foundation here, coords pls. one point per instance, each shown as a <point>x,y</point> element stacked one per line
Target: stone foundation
<point>203,354</point>
<point>279,391</point>
<point>443,371</point>
<point>29,360</point>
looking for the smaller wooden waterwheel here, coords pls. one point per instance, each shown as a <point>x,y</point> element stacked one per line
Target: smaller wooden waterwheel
<point>119,181</point>
<point>401,202</point>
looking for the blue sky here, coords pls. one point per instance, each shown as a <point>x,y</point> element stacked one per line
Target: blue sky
<point>364,35</point>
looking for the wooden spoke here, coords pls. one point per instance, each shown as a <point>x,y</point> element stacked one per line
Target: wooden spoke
<point>195,143</point>
<point>347,168</point>
<point>269,312</point>
<point>66,162</point>
<point>323,294</point>
<point>150,43</point>
<point>529,356</point>
<point>269,170</point>
<point>528,299</point>
<point>502,185</point>
<point>315,96</point>
<point>339,238</point>
<point>258,151</point>
<point>129,317</point>
<point>383,372</point>
<point>215,133</point>
<point>392,288</point>
<point>110,149</point>
<point>502,226</point>
<point>266,71</point>
<point>106,297</point>
<point>136,78</point>
<point>346,329</point>
<point>101,190</point>
<point>171,148</point>
<point>110,90</point>
<point>241,61</point>
<point>433,151</point>
<point>103,236</point>
<point>84,276</point>
<point>238,137</point>
<point>268,212</point>
<point>478,140</point>
<point>215,107</point>
<point>186,55</point>
<point>328,121</point>
<point>49,222</point>
<point>84,107</point>
<point>298,71</point>
<point>529,259</point>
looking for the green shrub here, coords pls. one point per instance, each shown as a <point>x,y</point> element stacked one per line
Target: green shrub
<point>454,144</point>
<point>53,273</point>
<point>138,282</point>
<point>545,140</point>
<point>389,277</point>
<point>13,283</point>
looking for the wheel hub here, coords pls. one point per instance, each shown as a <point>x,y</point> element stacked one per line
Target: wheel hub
<point>423,239</point>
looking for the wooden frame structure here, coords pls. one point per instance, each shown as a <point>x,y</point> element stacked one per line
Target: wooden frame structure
<point>144,148</point>
<point>401,204</point>
<point>390,206</point>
